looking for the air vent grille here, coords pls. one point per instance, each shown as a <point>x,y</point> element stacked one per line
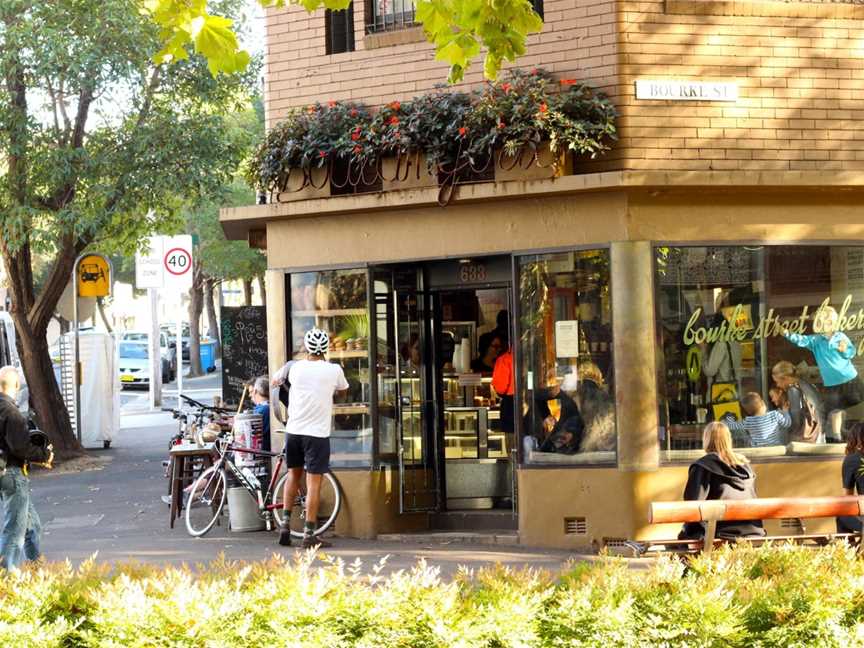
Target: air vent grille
<point>796,524</point>
<point>575,526</point>
<point>614,542</point>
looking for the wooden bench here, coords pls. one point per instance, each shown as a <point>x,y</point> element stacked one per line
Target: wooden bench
<point>713,511</point>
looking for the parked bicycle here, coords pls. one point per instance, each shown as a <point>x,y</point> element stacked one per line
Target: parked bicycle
<point>208,494</point>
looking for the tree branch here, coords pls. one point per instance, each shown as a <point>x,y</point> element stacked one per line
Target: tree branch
<point>61,273</point>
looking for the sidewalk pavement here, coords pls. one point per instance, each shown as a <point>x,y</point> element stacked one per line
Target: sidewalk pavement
<point>117,513</point>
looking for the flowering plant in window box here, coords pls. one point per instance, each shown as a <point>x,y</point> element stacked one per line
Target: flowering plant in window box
<point>531,124</point>
<point>419,138</point>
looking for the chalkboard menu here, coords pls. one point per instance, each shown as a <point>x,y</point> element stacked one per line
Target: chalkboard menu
<point>244,349</point>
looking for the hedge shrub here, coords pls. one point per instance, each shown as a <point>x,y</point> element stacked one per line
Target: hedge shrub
<point>772,596</point>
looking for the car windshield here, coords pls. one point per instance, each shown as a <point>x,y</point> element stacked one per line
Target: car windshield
<point>134,351</point>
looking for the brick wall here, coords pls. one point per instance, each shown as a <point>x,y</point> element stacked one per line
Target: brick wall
<point>578,41</point>
<point>799,68</point>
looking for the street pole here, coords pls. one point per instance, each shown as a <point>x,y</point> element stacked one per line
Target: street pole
<point>154,351</point>
<point>180,353</point>
<point>77,359</point>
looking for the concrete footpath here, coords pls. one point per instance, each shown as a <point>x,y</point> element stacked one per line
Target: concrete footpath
<point>115,511</point>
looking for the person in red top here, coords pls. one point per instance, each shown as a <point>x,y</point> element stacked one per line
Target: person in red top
<point>503,384</point>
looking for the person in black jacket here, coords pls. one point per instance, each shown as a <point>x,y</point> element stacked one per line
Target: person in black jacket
<point>22,530</point>
<point>853,480</point>
<point>722,474</point>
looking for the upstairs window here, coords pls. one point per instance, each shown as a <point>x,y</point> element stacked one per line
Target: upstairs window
<point>339,29</point>
<point>389,15</point>
<point>538,8</point>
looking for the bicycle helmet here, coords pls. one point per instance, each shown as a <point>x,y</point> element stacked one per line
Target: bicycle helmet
<point>316,341</point>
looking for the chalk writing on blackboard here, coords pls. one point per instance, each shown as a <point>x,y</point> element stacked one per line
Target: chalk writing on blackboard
<point>244,348</point>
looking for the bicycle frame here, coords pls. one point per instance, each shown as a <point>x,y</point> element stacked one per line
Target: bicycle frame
<point>262,497</point>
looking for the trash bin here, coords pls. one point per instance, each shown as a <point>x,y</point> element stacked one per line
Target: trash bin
<point>208,355</point>
<point>243,511</point>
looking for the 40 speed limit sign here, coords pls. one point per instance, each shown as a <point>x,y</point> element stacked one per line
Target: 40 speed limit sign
<point>167,263</point>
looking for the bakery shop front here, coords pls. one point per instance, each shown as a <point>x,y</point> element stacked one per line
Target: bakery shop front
<point>631,323</point>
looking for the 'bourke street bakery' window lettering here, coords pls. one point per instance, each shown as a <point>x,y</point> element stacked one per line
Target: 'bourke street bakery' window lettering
<point>767,339</point>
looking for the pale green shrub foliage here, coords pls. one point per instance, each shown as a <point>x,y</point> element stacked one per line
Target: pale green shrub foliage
<point>738,597</point>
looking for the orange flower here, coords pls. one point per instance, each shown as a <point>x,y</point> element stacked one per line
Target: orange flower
<point>543,108</point>
<point>533,71</point>
<point>500,124</point>
<point>568,81</point>
<point>462,131</point>
<point>394,120</point>
<point>355,135</point>
<point>395,105</point>
<point>310,109</point>
<point>506,87</point>
<point>331,103</point>
<point>358,150</point>
<point>322,154</point>
<point>353,112</point>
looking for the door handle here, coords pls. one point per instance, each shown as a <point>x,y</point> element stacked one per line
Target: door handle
<point>406,401</point>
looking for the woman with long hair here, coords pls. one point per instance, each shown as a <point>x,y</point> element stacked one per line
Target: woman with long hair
<point>853,480</point>
<point>722,474</point>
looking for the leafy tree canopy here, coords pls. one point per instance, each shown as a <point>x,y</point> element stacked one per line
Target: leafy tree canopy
<point>457,28</point>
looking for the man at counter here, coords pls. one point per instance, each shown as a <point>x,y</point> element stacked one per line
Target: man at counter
<point>564,433</point>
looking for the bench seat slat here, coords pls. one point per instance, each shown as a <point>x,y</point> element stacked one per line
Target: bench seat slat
<point>767,508</point>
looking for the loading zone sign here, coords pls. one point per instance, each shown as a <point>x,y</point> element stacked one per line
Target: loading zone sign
<point>167,263</point>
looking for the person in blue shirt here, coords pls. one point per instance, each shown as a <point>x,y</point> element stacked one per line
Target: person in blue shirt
<point>833,351</point>
<point>260,393</point>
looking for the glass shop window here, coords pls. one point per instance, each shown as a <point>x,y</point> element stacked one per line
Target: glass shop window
<point>565,345</point>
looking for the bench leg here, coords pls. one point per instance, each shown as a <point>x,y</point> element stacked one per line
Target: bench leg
<point>710,533</point>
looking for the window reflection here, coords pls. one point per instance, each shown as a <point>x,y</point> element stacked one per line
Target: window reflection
<point>568,411</point>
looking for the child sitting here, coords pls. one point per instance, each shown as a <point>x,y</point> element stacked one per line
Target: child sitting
<point>763,427</point>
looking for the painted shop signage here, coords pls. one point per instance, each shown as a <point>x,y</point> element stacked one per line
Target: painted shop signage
<point>738,325</point>
<point>673,90</point>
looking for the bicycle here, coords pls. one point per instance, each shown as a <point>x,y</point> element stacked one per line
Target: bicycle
<point>208,494</point>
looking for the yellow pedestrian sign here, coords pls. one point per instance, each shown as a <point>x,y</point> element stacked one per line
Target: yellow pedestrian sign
<point>93,275</point>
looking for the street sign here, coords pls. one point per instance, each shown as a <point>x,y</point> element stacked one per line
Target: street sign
<point>148,265</point>
<point>93,274</point>
<point>167,263</point>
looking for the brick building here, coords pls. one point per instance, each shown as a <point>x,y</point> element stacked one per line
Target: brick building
<point>622,281</point>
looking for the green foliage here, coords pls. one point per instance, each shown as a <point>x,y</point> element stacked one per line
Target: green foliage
<point>739,597</point>
<point>452,130</point>
<point>457,28</point>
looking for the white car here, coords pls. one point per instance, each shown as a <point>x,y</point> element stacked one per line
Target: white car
<point>167,349</point>
<point>134,364</point>
<point>9,356</point>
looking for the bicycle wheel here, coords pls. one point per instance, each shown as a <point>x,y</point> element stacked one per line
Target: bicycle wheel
<point>328,505</point>
<point>205,501</point>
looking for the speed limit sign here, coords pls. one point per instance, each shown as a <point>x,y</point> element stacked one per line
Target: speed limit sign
<point>177,262</point>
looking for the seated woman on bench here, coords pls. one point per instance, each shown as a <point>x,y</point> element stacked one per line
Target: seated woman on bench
<point>853,480</point>
<point>722,474</point>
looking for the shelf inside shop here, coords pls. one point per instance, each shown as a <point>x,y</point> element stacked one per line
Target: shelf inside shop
<point>338,312</point>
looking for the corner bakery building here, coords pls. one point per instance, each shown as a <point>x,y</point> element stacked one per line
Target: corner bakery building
<point>663,287</point>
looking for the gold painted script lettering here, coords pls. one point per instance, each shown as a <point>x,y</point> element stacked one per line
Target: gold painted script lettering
<point>771,325</point>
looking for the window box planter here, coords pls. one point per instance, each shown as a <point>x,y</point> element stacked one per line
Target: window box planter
<point>304,184</point>
<point>407,171</point>
<point>528,164</point>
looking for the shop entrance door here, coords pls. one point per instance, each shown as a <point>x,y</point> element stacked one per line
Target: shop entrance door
<point>418,443</point>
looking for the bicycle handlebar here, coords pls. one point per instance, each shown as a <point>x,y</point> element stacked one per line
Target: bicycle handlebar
<point>196,403</point>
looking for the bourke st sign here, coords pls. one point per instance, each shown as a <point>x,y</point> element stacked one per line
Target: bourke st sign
<point>737,325</point>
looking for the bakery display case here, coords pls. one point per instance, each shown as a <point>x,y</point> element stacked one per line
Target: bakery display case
<point>335,301</point>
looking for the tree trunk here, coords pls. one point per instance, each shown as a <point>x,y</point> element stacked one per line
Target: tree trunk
<point>210,285</point>
<point>48,404</point>
<point>196,304</point>
<point>247,292</point>
<point>100,304</point>
<point>263,288</point>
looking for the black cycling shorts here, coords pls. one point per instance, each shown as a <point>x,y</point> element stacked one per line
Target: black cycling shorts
<point>308,452</point>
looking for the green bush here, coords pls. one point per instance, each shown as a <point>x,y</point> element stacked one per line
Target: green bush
<point>766,597</point>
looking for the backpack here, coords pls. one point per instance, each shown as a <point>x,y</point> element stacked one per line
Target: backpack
<point>811,428</point>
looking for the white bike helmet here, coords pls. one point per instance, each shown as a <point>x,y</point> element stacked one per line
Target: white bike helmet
<point>316,341</point>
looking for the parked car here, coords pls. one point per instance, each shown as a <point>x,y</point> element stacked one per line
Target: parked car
<point>171,331</point>
<point>134,364</point>
<point>9,356</point>
<point>166,347</point>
